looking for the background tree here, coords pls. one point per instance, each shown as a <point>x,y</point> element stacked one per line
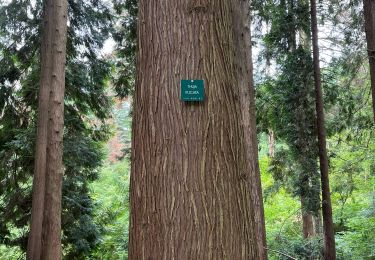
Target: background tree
<point>289,102</point>
<point>347,101</point>
<point>87,106</point>
<point>369,12</point>
<point>329,235</point>
<point>46,210</point>
<point>125,36</point>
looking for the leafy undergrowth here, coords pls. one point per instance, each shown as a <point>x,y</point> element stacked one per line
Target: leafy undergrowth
<point>111,196</point>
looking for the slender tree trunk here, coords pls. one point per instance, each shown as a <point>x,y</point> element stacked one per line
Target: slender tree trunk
<point>369,11</point>
<point>52,211</point>
<point>293,37</point>
<point>309,212</point>
<point>34,246</point>
<point>192,167</point>
<point>329,235</point>
<point>318,223</point>
<point>271,143</point>
<point>45,235</point>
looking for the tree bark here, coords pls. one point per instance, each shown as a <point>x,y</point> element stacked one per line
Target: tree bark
<point>242,41</point>
<point>194,164</point>
<point>34,246</point>
<point>52,212</point>
<point>308,229</point>
<point>329,235</point>
<point>308,225</point>
<point>45,235</point>
<point>369,11</point>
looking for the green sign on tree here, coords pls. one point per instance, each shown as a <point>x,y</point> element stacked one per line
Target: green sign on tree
<point>192,90</point>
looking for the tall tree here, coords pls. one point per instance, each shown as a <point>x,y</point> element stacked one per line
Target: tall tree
<point>48,235</point>
<point>369,11</point>
<point>87,106</point>
<point>39,180</point>
<point>54,174</point>
<point>329,235</point>
<point>193,164</point>
<point>243,47</point>
<point>286,102</point>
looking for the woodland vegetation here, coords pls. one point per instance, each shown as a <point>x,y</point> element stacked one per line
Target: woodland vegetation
<point>101,159</point>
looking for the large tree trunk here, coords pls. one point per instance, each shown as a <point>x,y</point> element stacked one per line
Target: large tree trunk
<point>329,235</point>
<point>45,236</point>
<point>34,246</point>
<point>369,11</point>
<point>192,166</point>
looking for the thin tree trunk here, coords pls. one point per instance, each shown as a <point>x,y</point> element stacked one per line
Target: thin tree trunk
<point>318,223</point>
<point>369,11</point>
<point>192,168</point>
<point>329,235</point>
<point>293,37</point>
<point>52,211</point>
<point>271,143</point>
<point>34,246</point>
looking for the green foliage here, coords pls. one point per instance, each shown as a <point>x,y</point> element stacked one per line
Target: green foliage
<point>358,242</point>
<point>284,223</point>
<point>286,101</point>
<point>111,195</point>
<point>10,253</point>
<point>285,104</point>
<point>353,194</point>
<point>126,37</point>
<point>353,199</point>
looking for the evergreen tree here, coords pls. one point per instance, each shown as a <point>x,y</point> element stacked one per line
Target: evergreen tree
<point>47,182</point>
<point>329,235</point>
<point>125,36</point>
<point>86,108</point>
<point>286,105</point>
<point>369,12</point>
<point>345,88</point>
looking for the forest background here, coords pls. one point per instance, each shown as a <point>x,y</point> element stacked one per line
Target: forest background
<point>98,125</point>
